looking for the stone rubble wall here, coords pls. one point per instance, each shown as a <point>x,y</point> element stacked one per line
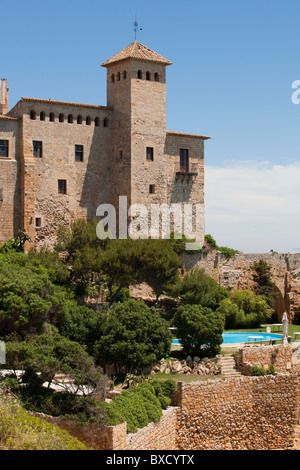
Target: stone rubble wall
<point>285,358</point>
<point>244,413</point>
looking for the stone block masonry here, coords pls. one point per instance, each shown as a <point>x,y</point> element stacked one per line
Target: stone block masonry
<point>244,413</point>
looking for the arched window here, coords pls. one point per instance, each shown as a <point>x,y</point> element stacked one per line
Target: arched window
<point>70,118</point>
<point>33,115</point>
<point>61,117</point>
<point>140,74</point>
<point>42,116</point>
<point>156,77</point>
<point>79,119</point>
<point>97,122</point>
<point>113,78</point>
<point>124,75</point>
<point>51,117</point>
<point>148,76</point>
<point>105,122</point>
<point>118,77</point>
<point>88,121</point>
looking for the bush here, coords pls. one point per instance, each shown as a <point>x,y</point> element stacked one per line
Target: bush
<point>261,371</point>
<point>140,405</point>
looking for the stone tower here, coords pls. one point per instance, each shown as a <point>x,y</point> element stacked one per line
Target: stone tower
<point>136,90</point>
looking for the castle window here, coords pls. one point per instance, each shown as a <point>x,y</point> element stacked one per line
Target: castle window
<point>3,148</point>
<point>79,119</point>
<point>156,77</point>
<point>78,153</point>
<point>42,116</point>
<point>124,75</point>
<point>62,186</point>
<point>1,195</point>
<point>97,122</point>
<point>105,122</point>
<point>37,148</point>
<point>152,188</point>
<point>150,153</point>
<point>120,154</point>
<point>38,222</point>
<point>118,77</point>
<point>140,74</point>
<point>51,117</point>
<point>148,76</point>
<point>184,160</point>
<point>61,118</point>
<point>113,78</point>
<point>33,115</point>
<point>88,121</point>
<point>70,119</point>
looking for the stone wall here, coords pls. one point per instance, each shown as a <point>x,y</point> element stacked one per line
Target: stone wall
<point>285,358</point>
<point>245,413</point>
<point>236,273</point>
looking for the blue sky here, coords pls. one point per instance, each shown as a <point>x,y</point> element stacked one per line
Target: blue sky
<point>233,67</point>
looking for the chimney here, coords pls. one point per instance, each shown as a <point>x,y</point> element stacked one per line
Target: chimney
<point>3,96</point>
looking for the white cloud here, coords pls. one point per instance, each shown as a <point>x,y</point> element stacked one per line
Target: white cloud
<point>253,206</point>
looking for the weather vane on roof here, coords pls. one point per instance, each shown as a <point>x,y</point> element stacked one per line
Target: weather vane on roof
<point>136,28</point>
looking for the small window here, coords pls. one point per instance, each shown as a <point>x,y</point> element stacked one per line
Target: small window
<point>156,77</point>
<point>121,155</point>
<point>79,119</point>
<point>148,76</point>
<point>61,117</point>
<point>113,78</point>
<point>3,148</point>
<point>105,122</point>
<point>150,153</point>
<point>70,119</point>
<point>51,117</point>
<point>97,122</point>
<point>88,121</point>
<point>124,75</point>
<point>38,222</point>
<point>140,74</point>
<point>42,116</point>
<point>37,149</point>
<point>1,194</point>
<point>152,188</point>
<point>33,115</point>
<point>78,153</point>
<point>118,77</point>
<point>62,186</point>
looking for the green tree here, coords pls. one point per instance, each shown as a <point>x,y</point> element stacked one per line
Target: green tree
<point>244,309</point>
<point>196,288</point>
<point>265,286</point>
<point>131,335</point>
<point>49,354</point>
<point>199,330</point>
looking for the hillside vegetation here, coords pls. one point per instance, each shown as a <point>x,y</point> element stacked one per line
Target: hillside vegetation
<point>21,431</point>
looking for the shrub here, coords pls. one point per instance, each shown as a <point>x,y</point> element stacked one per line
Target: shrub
<point>139,405</point>
<point>261,371</point>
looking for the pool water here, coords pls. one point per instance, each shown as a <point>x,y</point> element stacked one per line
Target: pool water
<point>231,338</point>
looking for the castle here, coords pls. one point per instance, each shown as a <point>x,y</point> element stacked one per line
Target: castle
<point>60,160</point>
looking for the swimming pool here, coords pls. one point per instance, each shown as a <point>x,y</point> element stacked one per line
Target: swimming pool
<point>245,337</point>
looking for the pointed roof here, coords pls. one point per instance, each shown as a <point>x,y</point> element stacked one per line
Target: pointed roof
<point>137,51</point>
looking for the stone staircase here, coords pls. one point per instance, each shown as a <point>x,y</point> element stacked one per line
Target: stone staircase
<point>228,366</point>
